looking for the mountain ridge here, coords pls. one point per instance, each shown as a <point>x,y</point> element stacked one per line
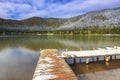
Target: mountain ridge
<point>98,19</point>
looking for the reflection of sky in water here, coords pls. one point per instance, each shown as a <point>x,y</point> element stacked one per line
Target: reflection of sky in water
<point>17,63</point>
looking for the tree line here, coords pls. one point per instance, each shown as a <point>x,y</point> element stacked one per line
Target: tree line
<point>114,30</point>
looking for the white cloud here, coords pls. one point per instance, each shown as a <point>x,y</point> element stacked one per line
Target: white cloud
<point>16,1</point>
<point>77,7</point>
<point>21,9</point>
<point>3,14</point>
<point>12,9</point>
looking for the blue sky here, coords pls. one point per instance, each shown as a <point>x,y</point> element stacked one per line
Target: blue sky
<point>21,9</point>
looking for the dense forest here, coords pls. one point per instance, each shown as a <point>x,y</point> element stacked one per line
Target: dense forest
<point>115,30</point>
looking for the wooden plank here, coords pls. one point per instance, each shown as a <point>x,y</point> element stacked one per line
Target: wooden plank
<point>51,66</point>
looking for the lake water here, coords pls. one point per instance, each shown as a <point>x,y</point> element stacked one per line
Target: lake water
<point>19,55</point>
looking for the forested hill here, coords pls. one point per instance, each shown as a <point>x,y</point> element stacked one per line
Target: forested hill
<point>102,19</point>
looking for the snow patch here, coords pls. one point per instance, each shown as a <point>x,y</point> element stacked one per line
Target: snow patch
<point>47,59</point>
<point>43,70</point>
<point>45,77</point>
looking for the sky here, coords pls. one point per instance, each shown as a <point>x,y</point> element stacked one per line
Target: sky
<point>22,9</point>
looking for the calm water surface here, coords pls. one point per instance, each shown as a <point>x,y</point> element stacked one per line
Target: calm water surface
<point>19,55</point>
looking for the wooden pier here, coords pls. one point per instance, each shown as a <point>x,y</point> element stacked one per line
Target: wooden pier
<point>51,66</point>
<point>106,53</point>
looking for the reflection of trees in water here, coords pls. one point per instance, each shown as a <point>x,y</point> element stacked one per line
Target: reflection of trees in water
<point>87,42</point>
<point>60,42</point>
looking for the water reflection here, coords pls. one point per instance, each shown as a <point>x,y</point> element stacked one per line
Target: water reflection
<point>17,63</point>
<point>101,75</point>
<point>60,42</point>
<point>89,42</point>
<point>98,70</point>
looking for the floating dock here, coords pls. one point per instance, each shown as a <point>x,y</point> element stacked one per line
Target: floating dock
<point>51,66</point>
<point>106,53</point>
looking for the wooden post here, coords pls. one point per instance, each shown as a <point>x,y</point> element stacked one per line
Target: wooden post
<point>87,60</point>
<point>80,60</point>
<point>107,58</point>
<point>104,58</point>
<point>97,58</point>
<point>111,57</point>
<point>74,61</point>
<point>92,58</point>
<point>115,56</point>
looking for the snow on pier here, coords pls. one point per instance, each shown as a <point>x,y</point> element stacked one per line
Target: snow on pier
<point>91,53</point>
<point>107,52</point>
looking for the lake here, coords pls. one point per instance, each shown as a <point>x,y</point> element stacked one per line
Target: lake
<point>19,55</point>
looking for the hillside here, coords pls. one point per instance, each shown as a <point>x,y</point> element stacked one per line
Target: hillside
<point>107,18</point>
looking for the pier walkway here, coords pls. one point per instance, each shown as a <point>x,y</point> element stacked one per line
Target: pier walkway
<point>51,66</point>
<point>107,53</point>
